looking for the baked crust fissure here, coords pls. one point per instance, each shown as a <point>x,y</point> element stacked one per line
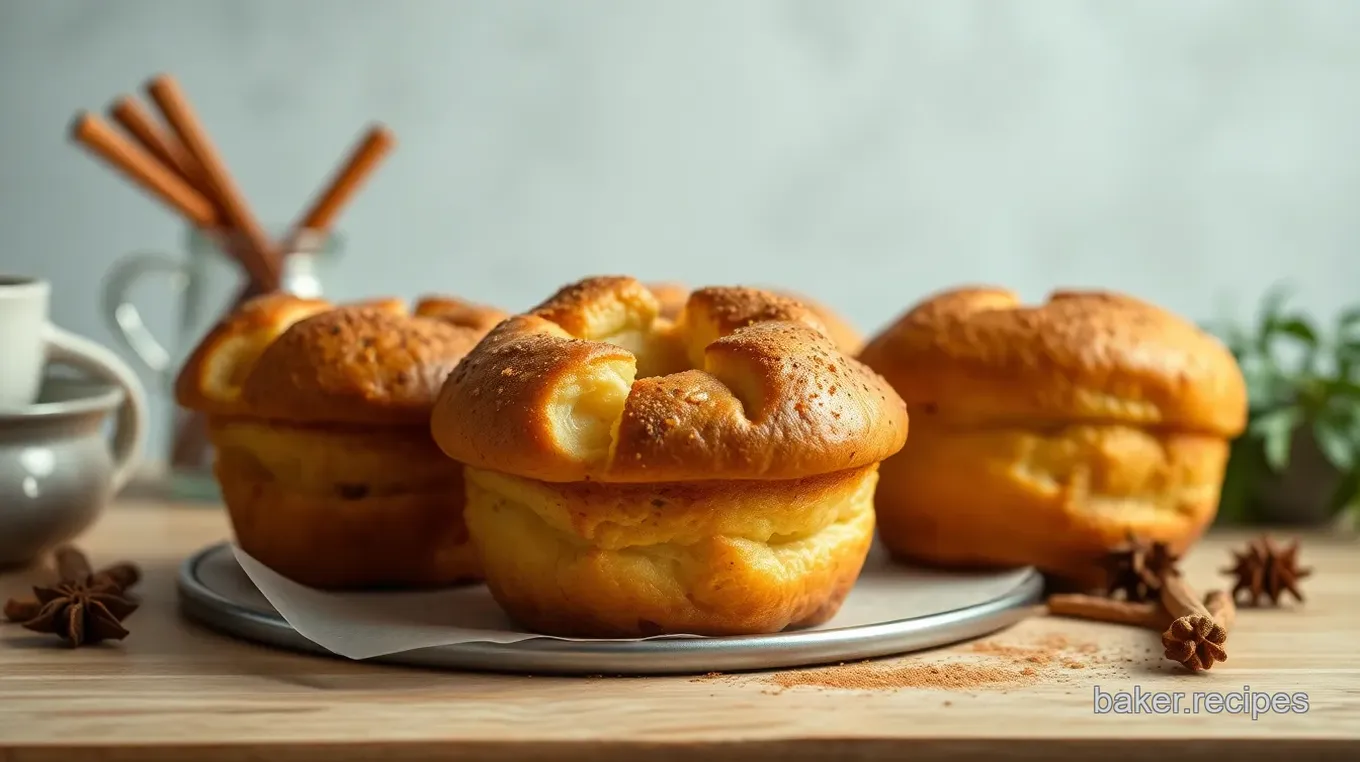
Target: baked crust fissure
<point>596,384</point>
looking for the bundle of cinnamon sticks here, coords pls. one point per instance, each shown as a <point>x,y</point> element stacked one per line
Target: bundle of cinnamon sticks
<point>181,168</point>
<point>174,160</point>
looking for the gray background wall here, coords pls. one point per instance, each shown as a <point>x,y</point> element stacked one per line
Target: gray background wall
<point>1189,151</point>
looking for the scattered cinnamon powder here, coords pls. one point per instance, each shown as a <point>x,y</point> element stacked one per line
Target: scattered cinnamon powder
<point>1050,658</point>
<point>1055,641</point>
<point>1050,649</point>
<point>891,676</point>
<point>1013,653</point>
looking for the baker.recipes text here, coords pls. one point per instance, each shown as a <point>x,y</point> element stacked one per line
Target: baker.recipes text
<point>1245,702</point>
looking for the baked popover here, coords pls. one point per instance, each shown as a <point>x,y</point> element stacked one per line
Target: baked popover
<point>1047,434</point>
<point>478,317</point>
<point>630,476</point>
<point>319,419</point>
<point>673,296</point>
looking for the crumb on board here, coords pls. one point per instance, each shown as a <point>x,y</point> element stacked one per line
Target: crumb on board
<point>1051,659</point>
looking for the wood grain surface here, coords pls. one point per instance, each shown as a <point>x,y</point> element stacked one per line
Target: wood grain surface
<point>176,691</point>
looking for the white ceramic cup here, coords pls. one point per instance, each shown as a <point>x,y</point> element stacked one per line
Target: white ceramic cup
<point>29,342</point>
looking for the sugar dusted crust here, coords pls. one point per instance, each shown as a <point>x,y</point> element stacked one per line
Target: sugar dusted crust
<point>318,415</point>
<point>673,296</point>
<point>458,312</point>
<point>982,355</point>
<point>285,358</point>
<point>595,384</point>
<point>212,377</point>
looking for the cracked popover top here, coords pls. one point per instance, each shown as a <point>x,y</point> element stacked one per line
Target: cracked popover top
<point>594,384</point>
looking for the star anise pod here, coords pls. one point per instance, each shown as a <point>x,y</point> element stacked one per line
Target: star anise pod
<point>1266,571</point>
<point>82,606</point>
<point>1196,642</point>
<point>80,612</point>
<point>1137,568</point>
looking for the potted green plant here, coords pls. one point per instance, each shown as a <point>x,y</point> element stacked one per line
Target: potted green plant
<point>1299,460</point>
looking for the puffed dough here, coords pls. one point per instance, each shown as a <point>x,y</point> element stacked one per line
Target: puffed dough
<point>632,475</point>
<point>1046,435</point>
<point>319,419</point>
<point>673,297</point>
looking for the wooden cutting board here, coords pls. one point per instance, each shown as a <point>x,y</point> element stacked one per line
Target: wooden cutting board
<point>175,691</point>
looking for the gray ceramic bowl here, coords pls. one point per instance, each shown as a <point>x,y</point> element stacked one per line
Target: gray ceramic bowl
<point>57,470</point>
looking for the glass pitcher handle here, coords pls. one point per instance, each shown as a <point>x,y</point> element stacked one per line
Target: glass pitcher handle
<point>129,435</point>
<point>125,320</point>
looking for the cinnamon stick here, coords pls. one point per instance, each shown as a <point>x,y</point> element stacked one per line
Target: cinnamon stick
<point>258,256</point>
<point>124,575</point>
<point>363,159</point>
<point>1221,607</point>
<point>142,126</point>
<point>142,168</point>
<point>1194,639</point>
<point>1101,609</point>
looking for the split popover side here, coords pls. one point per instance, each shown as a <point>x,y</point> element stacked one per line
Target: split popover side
<point>672,298</point>
<point>629,475</point>
<point>319,418</point>
<point>1045,435</point>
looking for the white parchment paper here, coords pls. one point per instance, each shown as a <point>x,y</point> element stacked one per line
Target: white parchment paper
<point>365,625</point>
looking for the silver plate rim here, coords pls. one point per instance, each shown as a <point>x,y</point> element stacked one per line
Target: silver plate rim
<point>658,656</point>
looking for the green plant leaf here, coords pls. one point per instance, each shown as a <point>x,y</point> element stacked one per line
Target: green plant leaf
<point>1297,330</point>
<point>1272,304</point>
<point>1336,438</point>
<point>1234,338</point>
<point>1240,479</point>
<point>1269,386</point>
<point>1297,327</point>
<point>1347,358</point>
<point>1347,493</point>
<point>1276,430</point>
<point>1261,385</point>
<point>1343,393</point>
<point>1273,301</point>
<point>1348,325</point>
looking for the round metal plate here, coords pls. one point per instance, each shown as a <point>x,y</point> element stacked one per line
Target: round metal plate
<point>226,610</point>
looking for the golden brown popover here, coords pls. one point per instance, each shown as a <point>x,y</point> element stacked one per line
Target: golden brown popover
<point>458,312</point>
<point>1047,434</point>
<point>672,297</point>
<point>319,418</point>
<point>632,476</point>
